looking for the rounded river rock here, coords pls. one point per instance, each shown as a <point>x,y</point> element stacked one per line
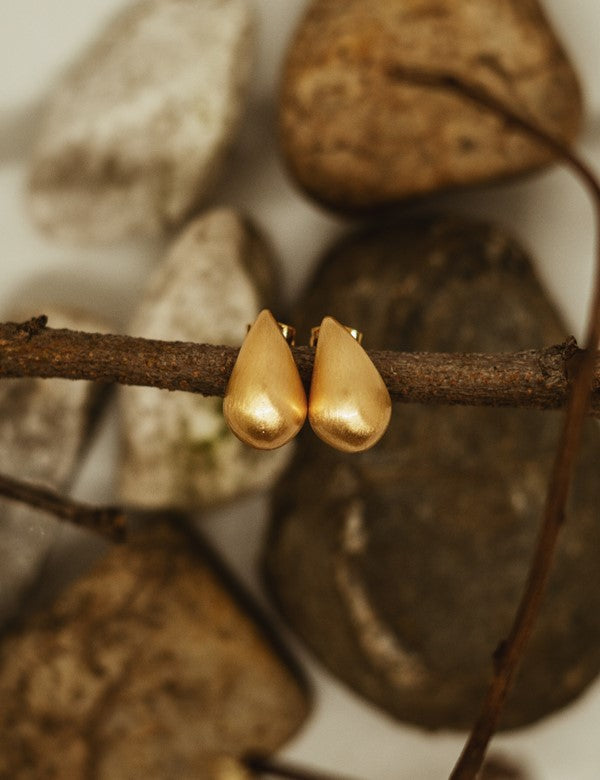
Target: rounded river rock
<point>402,567</point>
<point>152,666</point>
<point>357,134</point>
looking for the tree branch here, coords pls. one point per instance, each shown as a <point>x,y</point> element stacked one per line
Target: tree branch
<point>107,521</point>
<point>534,378</point>
<point>510,651</point>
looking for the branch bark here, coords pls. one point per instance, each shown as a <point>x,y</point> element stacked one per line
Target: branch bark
<point>107,521</point>
<point>534,378</point>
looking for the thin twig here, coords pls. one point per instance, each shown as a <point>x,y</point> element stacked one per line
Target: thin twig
<point>107,521</point>
<point>510,651</point>
<point>534,378</point>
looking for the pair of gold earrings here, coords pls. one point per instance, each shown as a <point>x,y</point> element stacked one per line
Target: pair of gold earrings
<point>265,405</point>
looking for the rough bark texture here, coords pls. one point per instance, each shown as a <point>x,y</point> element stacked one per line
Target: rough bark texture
<point>417,551</point>
<point>536,378</point>
<point>357,136</point>
<point>149,667</point>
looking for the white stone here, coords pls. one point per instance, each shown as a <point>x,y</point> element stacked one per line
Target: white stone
<point>178,450</point>
<point>136,130</point>
<point>43,426</point>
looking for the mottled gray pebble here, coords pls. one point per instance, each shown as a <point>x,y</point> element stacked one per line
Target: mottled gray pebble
<point>402,567</point>
<point>178,450</point>
<point>137,128</point>
<point>43,426</point>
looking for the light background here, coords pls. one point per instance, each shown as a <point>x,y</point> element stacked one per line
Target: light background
<point>549,212</point>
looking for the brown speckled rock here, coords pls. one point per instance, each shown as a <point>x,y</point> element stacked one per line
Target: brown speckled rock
<point>149,667</point>
<point>356,136</point>
<point>402,567</point>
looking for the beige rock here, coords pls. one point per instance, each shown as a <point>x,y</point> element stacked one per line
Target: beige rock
<point>178,450</point>
<point>357,136</point>
<point>136,131</point>
<point>147,668</point>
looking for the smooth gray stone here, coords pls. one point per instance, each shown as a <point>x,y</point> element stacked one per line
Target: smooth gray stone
<point>402,567</point>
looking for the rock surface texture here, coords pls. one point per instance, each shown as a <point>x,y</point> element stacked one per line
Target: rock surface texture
<point>357,135</point>
<point>178,450</point>
<point>136,130</point>
<point>43,426</point>
<point>146,668</point>
<point>402,567</point>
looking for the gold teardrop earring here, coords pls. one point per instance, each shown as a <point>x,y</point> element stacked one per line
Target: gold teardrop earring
<point>349,406</point>
<point>265,403</point>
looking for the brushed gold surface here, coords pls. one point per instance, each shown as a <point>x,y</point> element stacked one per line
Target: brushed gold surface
<point>265,403</point>
<point>349,405</point>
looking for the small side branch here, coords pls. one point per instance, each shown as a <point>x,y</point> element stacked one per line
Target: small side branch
<point>107,521</point>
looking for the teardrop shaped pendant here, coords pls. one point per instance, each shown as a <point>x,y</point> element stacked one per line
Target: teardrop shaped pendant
<point>265,403</point>
<point>349,406</point>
